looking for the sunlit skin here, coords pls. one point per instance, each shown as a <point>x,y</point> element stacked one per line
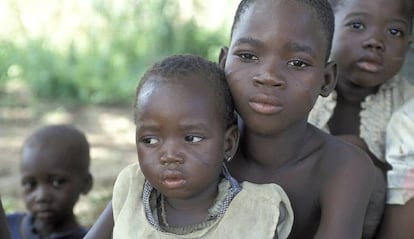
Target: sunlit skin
<point>181,144</point>
<point>370,43</point>
<point>275,66</point>
<point>52,182</point>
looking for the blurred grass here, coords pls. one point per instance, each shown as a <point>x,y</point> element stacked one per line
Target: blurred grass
<point>94,51</point>
<point>89,209</point>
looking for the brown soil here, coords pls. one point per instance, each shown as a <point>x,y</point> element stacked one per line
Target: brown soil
<point>110,132</point>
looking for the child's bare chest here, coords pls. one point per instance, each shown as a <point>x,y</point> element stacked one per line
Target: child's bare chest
<point>301,177</point>
<point>302,185</point>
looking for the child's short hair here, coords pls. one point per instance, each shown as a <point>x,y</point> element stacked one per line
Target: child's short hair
<point>321,8</point>
<point>176,67</point>
<point>66,138</point>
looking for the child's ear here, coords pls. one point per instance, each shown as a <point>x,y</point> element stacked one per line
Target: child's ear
<point>231,141</point>
<point>223,57</point>
<point>329,79</point>
<point>88,183</point>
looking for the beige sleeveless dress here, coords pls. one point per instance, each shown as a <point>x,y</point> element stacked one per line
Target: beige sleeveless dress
<point>257,211</point>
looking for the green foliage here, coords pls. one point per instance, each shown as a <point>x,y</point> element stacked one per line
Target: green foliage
<point>106,69</point>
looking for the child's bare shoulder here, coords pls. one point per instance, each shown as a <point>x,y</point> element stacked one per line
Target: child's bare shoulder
<point>337,155</point>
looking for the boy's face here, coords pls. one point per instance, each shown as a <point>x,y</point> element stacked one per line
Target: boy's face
<point>180,137</point>
<point>371,39</point>
<point>275,65</point>
<point>51,183</point>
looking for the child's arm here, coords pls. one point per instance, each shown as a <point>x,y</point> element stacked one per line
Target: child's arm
<point>4,228</point>
<point>346,190</point>
<point>102,228</point>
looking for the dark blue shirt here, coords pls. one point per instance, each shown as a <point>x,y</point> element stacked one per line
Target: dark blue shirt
<point>22,223</point>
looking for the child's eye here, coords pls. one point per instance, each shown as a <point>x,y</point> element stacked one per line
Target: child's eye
<point>248,57</point>
<point>150,140</point>
<point>298,64</point>
<point>28,185</point>
<point>357,25</point>
<point>193,139</point>
<point>58,183</point>
<point>396,32</point>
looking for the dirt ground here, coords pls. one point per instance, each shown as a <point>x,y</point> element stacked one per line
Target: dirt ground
<point>110,132</point>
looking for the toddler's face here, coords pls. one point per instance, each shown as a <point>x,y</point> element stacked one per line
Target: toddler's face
<point>51,184</point>
<point>371,40</point>
<point>180,137</point>
<point>275,65</point>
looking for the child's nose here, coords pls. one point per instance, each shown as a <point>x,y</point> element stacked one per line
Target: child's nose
<point>375,42</point>
<point>171,154</point>
<point>171,158</point>
<point>268,78</point>
<point>42,194</point>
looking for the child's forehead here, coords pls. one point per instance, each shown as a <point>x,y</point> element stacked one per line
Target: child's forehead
<point>395,8</point>
<point>186,90</point>
<point>191,84</point>
<point>50,158</point>
<point>280,12</point>
<point>190,91</point>
<point>182,103</point>
<point>44,168</point>
<point>274,24</point>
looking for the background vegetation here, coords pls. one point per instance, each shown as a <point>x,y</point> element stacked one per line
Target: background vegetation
<point>94,51</point>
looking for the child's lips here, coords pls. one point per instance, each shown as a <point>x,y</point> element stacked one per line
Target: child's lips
<point>265,104</point>
<point>368,66</point>
<point>370,63</point>
<point>45,214</point>
<point>173,179</point>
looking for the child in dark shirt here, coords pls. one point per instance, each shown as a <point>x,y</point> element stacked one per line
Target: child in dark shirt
<point>54,173</point>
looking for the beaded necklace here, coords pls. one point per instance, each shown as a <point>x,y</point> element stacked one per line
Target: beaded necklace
<point>148,188</point>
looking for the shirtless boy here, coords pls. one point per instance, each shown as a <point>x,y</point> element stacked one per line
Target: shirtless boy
<point>276,66</point>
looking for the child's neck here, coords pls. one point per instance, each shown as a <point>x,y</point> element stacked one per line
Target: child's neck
<point>44,229</point>
<point>352,93</point>
<point>275,151</point>
<point>183,212</point>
